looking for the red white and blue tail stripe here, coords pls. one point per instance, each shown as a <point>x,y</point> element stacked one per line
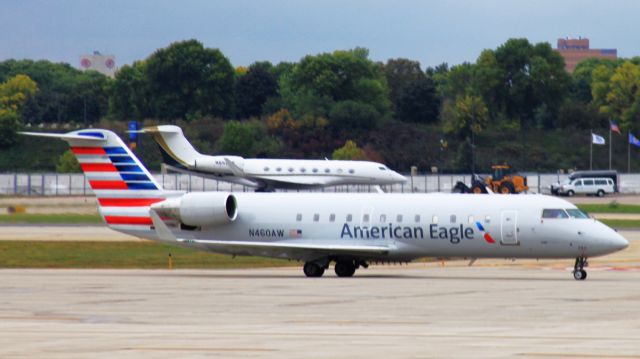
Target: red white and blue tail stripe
<point>123,186</point>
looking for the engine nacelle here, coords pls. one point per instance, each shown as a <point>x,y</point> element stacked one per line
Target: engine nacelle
<point>200,209</point>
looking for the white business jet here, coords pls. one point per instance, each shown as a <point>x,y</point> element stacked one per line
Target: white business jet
<point>266,174</point>
<point>350,229</point>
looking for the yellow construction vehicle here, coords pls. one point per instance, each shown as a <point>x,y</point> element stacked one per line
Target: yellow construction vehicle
<point>503,181</point>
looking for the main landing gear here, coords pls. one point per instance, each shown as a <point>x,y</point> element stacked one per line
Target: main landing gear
<point>578,269</point>
<point>343,267</point>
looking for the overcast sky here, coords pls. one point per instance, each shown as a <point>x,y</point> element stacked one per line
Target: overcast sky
<point>432,32</point>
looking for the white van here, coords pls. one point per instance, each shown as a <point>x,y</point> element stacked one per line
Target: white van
<point>597,186</point>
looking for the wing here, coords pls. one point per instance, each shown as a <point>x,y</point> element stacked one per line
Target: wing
<point>288,249</point>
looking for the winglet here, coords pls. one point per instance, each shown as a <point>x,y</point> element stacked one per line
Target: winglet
<point>163,232</point>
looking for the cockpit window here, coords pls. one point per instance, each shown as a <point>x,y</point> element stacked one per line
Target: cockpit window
<point>554,213</point>
<point>576,213</point>
<point>382,168</point>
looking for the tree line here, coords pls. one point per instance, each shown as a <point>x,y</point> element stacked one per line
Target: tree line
<point>515,103</point>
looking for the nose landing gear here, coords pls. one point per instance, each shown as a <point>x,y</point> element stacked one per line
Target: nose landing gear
<point>578,269</point>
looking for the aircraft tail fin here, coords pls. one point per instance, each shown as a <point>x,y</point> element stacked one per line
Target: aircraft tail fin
<point>176,150</point>
<point>124,188</point>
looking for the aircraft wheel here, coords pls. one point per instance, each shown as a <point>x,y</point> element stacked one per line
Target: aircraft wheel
<point>345,268</point>
<point>507,188</point>
<point>580,274</point>
<point>312,269</point>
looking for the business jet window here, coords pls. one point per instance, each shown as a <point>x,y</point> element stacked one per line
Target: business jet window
<point>417,218</point>
<point>365,218</point>
<point>316,217</point>
<point>554,213</point>
<point>266,169</point>
<point>352,171</point>
<point>279,169</point>
<point>383,218</point>
<point>303,170</point>
<point>299,217</point>
<point>349,217</point>
<point>290,169</point>
<point>576,213</point>
<point>339,170</point>
<point>332,217</point>
<point>434,219</point>
<point>452,219</point>
<point>399,218</point>
<point>315,170</point>
<point>326,170</point>
<point>487,219</point>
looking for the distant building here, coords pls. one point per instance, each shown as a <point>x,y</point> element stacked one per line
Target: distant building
<point>104,64</point>
<point>576,50</point>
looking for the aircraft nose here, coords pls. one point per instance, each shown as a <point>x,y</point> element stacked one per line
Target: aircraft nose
<point>620,243</point>
<point>396,177</point>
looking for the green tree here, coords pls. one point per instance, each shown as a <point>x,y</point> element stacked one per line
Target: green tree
<point>617,92</point>
<point>318,85</point>
<point>129,94</point>
<point>64,94</point>
<point>13,95</point>
<point>67,163</point>
<point>186,79</point>
<point>247,139</point>
<point>350,151</point>
<point>400,74</point>
<point>254,88</point>
<point>519,79</point>
<point>418,102</point>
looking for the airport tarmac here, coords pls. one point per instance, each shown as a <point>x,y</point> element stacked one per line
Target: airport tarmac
<point>420,311</point>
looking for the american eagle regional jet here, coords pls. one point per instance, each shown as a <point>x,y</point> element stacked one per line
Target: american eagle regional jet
<point>263,173</point>
<point>350,229</point>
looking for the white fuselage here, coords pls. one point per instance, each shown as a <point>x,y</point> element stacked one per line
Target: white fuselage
<point>289,173</point>
<point>411,225</point>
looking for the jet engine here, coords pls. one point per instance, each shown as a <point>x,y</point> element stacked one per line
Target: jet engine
<point>200,209</point>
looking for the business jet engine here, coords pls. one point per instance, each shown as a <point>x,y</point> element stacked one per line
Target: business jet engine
<point>203,209</point>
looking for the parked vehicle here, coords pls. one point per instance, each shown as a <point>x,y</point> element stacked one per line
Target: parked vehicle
<point>613,175</point>
<point>594,186</point>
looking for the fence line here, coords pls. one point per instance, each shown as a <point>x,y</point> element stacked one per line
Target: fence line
<point>54,184</point>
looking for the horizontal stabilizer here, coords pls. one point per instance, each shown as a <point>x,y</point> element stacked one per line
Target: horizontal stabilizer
<point>89,136</point>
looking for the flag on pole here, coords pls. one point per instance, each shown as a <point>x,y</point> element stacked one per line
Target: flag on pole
<point>614,127</point>
<point>597,140</point>
<point>634,140</point>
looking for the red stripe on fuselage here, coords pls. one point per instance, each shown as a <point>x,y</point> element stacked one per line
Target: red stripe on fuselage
<point>88,150</point>
<point>95,184</point>
<point>146,221</point>
<point>128,202</point>
<point>98,167</point>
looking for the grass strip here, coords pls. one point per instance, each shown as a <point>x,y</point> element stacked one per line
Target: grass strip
<point>119,255</point>
<point>609,208</point>
<point>49,218</point>
<point>621,223</point>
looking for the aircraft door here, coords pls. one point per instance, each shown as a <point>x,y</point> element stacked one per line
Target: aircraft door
<point>509,228</point>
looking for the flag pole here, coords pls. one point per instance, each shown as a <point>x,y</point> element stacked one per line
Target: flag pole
<point>609,145</point>
<point>591,152</point>
<point>628,151</point>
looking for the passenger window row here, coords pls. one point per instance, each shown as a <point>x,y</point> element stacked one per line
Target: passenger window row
<point>314,170</point>
<point>383,218</point>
